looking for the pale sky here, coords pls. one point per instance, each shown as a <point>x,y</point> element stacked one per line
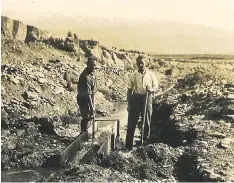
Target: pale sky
<point>219,13</point>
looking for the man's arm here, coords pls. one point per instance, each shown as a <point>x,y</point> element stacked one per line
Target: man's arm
<point>80,81</point>
<point>92,96</point>
<point>154,83</point>
<point>91,102</point>
<point>129,93</point>
<point>95,85</point>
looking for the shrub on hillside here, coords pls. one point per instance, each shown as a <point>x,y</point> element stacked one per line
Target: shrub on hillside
<point>168,59</point>
<point>122,50</point>
<point>152,65</point>
<point>162,64</point>
<point>69,34</point>
<point>157,60</point>
<point>129,68</point>
<point>168,72</point>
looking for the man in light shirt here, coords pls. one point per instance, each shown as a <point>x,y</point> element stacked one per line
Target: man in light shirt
<point>140,82</point>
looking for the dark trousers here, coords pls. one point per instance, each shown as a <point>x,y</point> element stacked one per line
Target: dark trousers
<point>137,108</point>
<point>85,110</point>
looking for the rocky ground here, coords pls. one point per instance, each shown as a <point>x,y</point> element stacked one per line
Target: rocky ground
<point>193,139</point>
<point>200,119</point>
<point>193,136</point>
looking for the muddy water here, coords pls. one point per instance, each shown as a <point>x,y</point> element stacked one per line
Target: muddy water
<point>121,114</point>
<point>25,175</point>
<point>29,175</point>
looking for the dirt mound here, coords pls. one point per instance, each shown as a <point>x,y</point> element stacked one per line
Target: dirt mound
<point>201,121</point>
<point>153,162</point>
<point>193,79</point>
<point>92,173</point>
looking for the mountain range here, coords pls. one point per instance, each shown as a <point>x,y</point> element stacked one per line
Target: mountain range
<point>154,36</point>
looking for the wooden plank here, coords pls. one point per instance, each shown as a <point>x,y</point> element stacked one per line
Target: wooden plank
<point>106,120</point>
<point>90,128</point>
<point>109,143</point>
<point>70,152</point>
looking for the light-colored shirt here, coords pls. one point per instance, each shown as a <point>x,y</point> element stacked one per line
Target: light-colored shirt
<point>138,81</point>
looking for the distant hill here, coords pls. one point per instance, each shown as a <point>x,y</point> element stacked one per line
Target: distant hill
<point>155,36</point>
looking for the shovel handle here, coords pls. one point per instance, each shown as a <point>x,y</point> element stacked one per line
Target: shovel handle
<point>144,115</point>
<point>93,123</point>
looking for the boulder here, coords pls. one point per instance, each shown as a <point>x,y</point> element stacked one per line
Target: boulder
<point>106,54</point>
<point>226,143</point>
<point>42,80</point>
<point>30,95</point>
<point>13,80</point>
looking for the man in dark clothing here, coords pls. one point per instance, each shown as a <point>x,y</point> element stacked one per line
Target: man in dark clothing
<point>86,88</point>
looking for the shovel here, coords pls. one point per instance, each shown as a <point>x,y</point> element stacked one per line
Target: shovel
<point>93,123</point>
<point>144,116</point>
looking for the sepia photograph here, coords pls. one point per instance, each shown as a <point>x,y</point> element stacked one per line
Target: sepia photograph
<point>117,90</point>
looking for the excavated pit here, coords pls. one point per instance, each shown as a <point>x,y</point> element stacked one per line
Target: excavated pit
<point>170,156</point>
<point>166,158</point>
<point>164,129</point>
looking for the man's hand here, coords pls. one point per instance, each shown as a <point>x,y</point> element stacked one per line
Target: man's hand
<point>148,90</point>
<point>93,112</point>
<point>129,96</point>
<point>129,108</point>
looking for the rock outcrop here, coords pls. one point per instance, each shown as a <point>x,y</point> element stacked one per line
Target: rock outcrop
<point>35,34</point>
<point>19,30</point>
<point>15,29</point>
<point>90,47</point>
<point>56,42</point>
<point>71,43</point>
<point>7,26</point>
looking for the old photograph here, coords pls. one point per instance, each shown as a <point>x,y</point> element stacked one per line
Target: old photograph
<point>117,90</point>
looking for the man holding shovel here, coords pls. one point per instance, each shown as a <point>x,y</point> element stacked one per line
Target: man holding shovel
<point>86,88</point>
<point>142,84</point>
